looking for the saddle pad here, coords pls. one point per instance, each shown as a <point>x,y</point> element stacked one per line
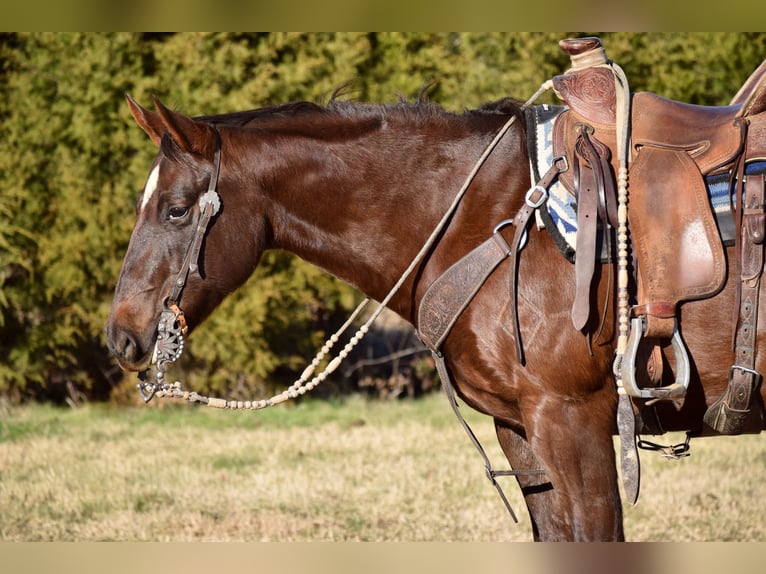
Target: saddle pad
<point>560,215</point>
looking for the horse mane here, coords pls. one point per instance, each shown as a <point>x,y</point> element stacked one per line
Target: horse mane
<point>422,108</point>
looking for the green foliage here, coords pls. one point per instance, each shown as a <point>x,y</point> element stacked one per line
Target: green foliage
<point>701,68</point>
<point>62,158</point>
<point>72,161</point>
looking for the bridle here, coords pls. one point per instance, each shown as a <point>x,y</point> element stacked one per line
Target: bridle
<point>171,326</point>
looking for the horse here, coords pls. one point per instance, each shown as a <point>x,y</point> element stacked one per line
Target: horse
<point>356,189</point>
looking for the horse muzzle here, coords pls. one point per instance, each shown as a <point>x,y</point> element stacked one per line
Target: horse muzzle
<point>132,348</point>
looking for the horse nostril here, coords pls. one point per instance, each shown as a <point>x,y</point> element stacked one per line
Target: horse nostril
<point>126,339</point>
<point>124,346</point>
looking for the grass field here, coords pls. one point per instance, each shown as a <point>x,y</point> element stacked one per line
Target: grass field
<point>350,470</point>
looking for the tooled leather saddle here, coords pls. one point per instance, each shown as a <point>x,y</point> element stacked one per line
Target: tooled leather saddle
<point>677,251</point>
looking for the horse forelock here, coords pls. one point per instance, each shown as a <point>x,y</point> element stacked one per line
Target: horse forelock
<point>171,151</point>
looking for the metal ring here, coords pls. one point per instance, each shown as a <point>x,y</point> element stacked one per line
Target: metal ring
<point>505,223</point>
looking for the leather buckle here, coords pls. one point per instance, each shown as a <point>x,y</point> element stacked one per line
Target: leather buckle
<point>562,158</point>
<point>533,202</point>
<point>756,374</point>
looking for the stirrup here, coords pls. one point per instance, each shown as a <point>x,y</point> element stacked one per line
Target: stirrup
<point>672,391</point>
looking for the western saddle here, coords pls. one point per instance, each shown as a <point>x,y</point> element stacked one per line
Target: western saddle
<point>676,251</point>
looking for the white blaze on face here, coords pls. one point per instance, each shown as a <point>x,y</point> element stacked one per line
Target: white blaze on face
<point>151,185</point>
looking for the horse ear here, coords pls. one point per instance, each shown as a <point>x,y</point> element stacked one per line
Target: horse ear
<point>150,122</point>
<point>191,136</point>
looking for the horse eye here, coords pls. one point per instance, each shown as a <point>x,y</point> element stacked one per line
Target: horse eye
<point>177,212</point>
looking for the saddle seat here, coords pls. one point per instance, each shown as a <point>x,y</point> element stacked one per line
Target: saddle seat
<point>709,134</point>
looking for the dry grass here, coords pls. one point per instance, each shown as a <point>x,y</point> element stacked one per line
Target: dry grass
<point>349,471</point>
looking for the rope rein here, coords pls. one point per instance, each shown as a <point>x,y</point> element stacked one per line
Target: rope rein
<point>175,330</point>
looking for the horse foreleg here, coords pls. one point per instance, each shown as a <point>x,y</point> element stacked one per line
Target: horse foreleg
<point>578,497</point>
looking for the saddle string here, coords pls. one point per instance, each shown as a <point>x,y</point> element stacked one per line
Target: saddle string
<point>303,385</point>
<point>626,422</point>
<point>623,151</point>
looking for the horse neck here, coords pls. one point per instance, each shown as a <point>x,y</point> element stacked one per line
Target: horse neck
<point>361,207</point>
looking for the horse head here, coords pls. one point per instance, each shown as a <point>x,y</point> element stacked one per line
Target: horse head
<point>168,220</point>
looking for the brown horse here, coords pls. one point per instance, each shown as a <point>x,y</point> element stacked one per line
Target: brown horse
<point>356,189</point>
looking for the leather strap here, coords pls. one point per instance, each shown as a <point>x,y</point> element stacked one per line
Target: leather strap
<point>588,186</point>
<point>743,378</point>
<point>449,390</point>
<point>629,459</point>
<point>731,413</point>
<point>210,204</point>
<point>535,198</point>
<point>594,189</point>
<point>661,309</point>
